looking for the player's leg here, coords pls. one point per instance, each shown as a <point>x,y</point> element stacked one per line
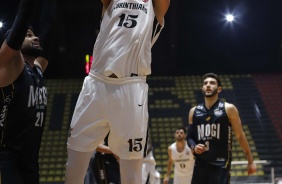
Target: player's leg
<point>199,175</point>
<point>76,166</point>
<point>100,168</point>
<point>90,174</point>
<point>29,175</point>
<point>145,172</point>
<point>128,128</point>
<point>13,170</point>
<point>152,171</point>
<point>111,169</point>
<point>87,130</point>
<point>9,173</point>
<point>158,177</point>
<point>218,175</point>
<point>131,171</point>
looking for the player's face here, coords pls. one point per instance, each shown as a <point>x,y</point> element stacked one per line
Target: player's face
<point>210,87</point>
<point>31,45</point>
<point>180,135</point>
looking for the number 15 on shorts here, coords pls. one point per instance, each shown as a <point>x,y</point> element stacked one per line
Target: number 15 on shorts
<point>135,145</point>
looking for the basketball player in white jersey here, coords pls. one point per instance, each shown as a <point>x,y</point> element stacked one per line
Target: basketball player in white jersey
<point>182,157</point>
<point>114,94</point>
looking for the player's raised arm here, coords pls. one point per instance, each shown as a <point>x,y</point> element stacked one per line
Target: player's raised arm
<point>160,8</point>
<point>11,60</point>
<point>105,5</point>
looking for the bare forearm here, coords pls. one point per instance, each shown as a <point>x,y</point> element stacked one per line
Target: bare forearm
<point>169,164</point>
<point>246,148</point>
<point>104,149</point>
<point>17,33</point>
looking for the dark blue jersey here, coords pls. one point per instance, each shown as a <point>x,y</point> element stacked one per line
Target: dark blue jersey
<point>23,107</point>
<point>212,128</point>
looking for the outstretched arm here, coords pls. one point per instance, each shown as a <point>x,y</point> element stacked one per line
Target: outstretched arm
<point>17,33</point>
<point>235,120</point>
<point>11,60</point>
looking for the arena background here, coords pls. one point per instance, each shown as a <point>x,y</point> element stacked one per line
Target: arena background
<point>196,38</point>
<point>247,53</point>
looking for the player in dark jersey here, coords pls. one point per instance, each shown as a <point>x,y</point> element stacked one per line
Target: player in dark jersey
<point>104,166</point>
<point>23,101</point>
<point>210,135</point>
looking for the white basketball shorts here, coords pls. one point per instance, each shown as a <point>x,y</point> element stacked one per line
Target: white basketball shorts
<point>118,105</point>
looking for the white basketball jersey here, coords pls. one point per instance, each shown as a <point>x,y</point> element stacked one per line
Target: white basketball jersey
<point>183,161</point>
<point>124,43</point>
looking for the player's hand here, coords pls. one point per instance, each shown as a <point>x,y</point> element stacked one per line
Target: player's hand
<point>166,179</point>
<point>252,168</point>
<point>199,149</point>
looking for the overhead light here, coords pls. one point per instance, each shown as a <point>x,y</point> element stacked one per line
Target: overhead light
<point>229,17</point>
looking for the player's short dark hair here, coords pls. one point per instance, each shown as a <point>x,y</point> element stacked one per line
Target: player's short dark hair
<point>182,128</point>
<point>212,75</point>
